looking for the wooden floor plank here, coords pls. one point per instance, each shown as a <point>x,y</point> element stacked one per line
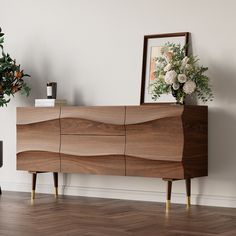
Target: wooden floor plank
<point>83,216</point>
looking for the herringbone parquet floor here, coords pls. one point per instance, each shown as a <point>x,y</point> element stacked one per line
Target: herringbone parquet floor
<point>107,217</point>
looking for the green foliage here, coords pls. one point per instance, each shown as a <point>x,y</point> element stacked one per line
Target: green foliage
<point>173,59</point>
<point>158,88</point>
<point>11,77</point>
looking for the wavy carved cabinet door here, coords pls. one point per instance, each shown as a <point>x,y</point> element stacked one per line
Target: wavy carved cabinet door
<point>166,141</point>
<point>93,140</point>
<point>154,141</point>
<point>38,139</point>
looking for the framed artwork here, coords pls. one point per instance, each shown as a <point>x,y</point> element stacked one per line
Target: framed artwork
<point>151,49</point>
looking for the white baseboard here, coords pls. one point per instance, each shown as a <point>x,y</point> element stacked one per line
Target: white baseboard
<point>153,196</point>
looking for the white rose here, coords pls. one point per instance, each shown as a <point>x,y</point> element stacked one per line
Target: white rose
<point>167,67</point>
<point>189,87</point>
<point>170,77</point>
<point>175,86</point>
<point>182,78</point>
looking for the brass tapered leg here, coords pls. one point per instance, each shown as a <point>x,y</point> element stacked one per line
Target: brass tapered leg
<point>168,196</point>
<point>188,192</point>
<point>55,177</point>
<point>34,178</point>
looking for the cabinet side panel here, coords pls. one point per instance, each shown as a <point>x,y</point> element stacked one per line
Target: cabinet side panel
<point>195,155</point>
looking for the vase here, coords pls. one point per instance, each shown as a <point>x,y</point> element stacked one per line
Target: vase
<point>51,90</point>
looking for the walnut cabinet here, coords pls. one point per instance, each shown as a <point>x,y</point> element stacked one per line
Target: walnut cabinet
<point>166,141</point>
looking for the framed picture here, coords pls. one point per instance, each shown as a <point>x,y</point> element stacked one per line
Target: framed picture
<point>151,49</point>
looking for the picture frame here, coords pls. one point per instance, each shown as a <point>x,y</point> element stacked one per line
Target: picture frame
<point>151,48</point>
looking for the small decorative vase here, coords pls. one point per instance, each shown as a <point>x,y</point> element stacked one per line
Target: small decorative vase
<point>51,90</point>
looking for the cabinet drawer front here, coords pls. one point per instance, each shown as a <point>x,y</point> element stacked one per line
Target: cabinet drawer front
<point>42,136</point>
<point>142,114</point>
<point>154,136</point>
<point>31,115</point>
<point>93,154</point>
<point>88,145</point>
<point>38,161</point>
<point>93,120</point>
<point>38,139</point>
<point>151,168</point>
<point>102,165</point>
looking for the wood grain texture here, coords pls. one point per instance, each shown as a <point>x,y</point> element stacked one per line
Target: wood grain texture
<point>154,168</point>
<point>38,131</point>
<point>167,141</point>
<point>166,169</point>
<point>83,216</point>
<point>28,115</point>
<point>102,165</point>
<point>152,135</point>
<point>195,153</point>
<point>42,136</point>
<point>167,138</point>
<point>145,113</point>
<point>89,145</point>
<point>38,161</point>
<point>82,126</point>
<point>195,128</point>
<point>195,167</point>
<point>114,115</point>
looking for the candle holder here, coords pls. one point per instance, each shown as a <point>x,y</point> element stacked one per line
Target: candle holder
<point>51,90</point>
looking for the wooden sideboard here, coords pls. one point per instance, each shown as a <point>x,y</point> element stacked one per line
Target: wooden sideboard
<point>165,141</point>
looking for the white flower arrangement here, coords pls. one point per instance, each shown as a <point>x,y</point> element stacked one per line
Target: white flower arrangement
<point>180,75</point>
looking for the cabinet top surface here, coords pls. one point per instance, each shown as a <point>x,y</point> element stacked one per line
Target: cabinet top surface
<point>143,106</point>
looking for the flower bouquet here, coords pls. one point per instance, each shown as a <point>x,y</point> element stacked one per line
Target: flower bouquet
<point>11,77</point>
<point>179,75</point>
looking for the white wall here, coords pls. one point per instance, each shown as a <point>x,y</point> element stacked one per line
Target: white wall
<point>93,49</point>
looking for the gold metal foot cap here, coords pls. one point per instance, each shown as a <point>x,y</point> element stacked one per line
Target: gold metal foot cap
<point>167,205</point>
<point>188,201</point>
<point>33,194</point>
